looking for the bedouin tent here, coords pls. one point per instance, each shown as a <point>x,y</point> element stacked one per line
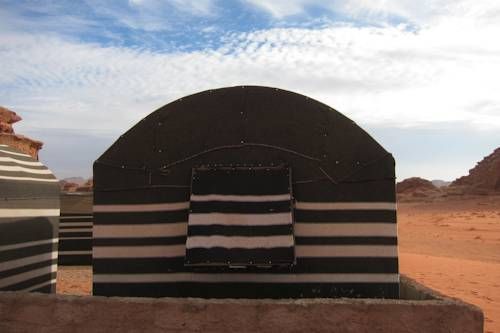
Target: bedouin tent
<point>245,192</point>
<point>29,218</point>
<point>75,229</point>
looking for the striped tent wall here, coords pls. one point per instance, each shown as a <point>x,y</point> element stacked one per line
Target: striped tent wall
<point>342,186</point>
<point>343,249</point>
<point>75,229</point>
<point>29,218</point>
<point>240,216</point>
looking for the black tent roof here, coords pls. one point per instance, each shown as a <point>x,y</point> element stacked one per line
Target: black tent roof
<point>243,125</point>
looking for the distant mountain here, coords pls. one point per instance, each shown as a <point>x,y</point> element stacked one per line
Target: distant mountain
<point>483,178</point>
<point>88,186</point>
<point>75,180</point>
<point>440,183</point>
<point>76,184</point>
<point>416,188</point>
<point>413,184</point>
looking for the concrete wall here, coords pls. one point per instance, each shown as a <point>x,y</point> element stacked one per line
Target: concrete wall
<point>56,313</point>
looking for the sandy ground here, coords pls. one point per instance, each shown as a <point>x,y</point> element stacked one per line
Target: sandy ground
<point>74,280</point>
<point>452,246</point>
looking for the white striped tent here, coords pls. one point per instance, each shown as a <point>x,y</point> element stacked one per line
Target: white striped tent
<point>240,217</point>
<point>75,229</point>
<point>322,225</point>
<point>29,218</point>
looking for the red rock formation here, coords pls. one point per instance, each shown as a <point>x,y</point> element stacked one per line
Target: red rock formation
<point>5,127</point>
<point>67,186</point>
<point>8,137</point>
<point>413,184</point>
<point>483,178</point>
<point>7,118</point>
<point>416,188</point>
<point>87,187</point>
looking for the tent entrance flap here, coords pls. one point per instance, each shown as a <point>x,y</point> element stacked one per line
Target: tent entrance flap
<point>240,216</point>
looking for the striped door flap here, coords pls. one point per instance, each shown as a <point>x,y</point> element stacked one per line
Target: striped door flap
<point>240,216</point>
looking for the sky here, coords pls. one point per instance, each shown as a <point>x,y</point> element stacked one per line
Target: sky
<point>422,77</point>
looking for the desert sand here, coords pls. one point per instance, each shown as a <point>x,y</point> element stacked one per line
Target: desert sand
<point>451,245</point>
<point>74,280</point>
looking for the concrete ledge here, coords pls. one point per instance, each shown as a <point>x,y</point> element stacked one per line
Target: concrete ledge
<point>427,311</point>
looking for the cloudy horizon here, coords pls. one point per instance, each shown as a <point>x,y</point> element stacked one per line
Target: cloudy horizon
<point>422,80</point>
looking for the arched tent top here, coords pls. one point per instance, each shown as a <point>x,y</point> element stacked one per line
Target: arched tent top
<point>245,179</point>
<point>244,125</point>
<point>22,176</point>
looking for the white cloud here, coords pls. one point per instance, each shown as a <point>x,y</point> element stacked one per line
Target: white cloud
<point>195,7</point>
<point>151,15</point>
<point>412,10</point>
<point>282,8</point>
<point>111,20</point>
<point>443,73</point>
<point>380,11</point>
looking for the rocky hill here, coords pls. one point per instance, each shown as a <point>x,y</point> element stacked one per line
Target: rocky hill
<point>76,180</point>
<point>484,178</point>
<point>415,187</point>
<point>440,183</point>
<point>8,137</point>
<point>75,185</point>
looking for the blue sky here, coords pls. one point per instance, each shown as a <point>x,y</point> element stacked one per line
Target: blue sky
<point>421,77</point>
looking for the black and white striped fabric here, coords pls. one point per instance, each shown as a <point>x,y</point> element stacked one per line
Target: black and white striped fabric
<point>29,217</point>
<point>344,231</point>
<point>342,249</point>
<point>75,229</point>
<point>240,216</point>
